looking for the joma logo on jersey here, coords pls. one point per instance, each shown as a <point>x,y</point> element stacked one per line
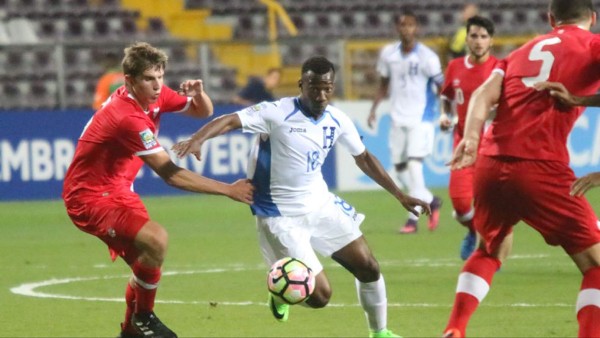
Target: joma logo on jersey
<point>297,130</point>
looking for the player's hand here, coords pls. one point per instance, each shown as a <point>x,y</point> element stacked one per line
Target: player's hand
<point>464,155</point>
<point>371,120</point>
<point>189,146</point>
<point>446,122</point>
<point>242,191</point>
<point>558,91</point>
<point>411,204</point>
<point>585,183</point>
<point>191,88</point>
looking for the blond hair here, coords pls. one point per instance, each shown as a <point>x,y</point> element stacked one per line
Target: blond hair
<point>141,56</point>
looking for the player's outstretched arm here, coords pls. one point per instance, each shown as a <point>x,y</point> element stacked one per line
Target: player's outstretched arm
<point>202,105</point>
<point>371,166</point>
<point>381,93</point>
<point>241,190</point>
<point>216,127</point>
<point>562,94</point>
<point>446,117</point>
<point>484,98</point>
<point>585,183</point>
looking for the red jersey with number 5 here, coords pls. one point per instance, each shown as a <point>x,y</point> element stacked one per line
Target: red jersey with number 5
<point>461,80</point>
<point>530,124</point>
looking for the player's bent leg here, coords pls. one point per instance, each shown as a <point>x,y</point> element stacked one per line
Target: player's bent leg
<point>463,213</point>
<point>322,293</point>
<point>127,330</point>
<point>357,258</point>
<point>588,300</point>
<point>473,285</point>
<point>151,242</point>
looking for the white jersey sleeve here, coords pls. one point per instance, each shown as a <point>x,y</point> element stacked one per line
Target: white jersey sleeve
<point>259,117</point>
<point>434,69</point>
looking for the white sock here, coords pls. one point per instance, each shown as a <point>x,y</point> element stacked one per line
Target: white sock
<point>373,300</point>
<point>417,184</point>
<point>404,179</point>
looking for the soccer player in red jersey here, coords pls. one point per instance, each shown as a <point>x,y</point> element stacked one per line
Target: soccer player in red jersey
<point>98,187</point>
<point>462,77</point>
<point>522,170</point>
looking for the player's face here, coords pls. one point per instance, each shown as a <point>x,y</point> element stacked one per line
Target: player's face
<point>146,87</point>
<point>479,41</point>
<point>407,28</point>
<point>316,91</point>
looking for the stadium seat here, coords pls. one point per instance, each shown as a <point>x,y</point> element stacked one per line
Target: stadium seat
<point>22,31</point>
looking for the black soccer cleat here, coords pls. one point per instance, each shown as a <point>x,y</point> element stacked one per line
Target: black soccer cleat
<point>149,326</point>
<point>125,334</point>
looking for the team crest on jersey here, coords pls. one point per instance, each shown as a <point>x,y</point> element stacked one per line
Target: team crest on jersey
<point>456,82</point>
<point>148,138</point>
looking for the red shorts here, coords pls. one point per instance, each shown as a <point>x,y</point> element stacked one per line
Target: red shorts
<point>461,183</point>
<point>115,219</point>
<point>508,190</point>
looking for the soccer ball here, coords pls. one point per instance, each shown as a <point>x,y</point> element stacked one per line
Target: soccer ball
<point>291,280</point>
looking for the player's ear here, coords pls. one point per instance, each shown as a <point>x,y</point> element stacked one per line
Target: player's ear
<point>300,83</point>
<point>129,79</point>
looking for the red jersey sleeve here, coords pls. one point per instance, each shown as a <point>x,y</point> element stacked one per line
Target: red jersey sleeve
<point>447,89</point>
<point>500,67</point>
<point>171,102</point>
<point>137,136</point>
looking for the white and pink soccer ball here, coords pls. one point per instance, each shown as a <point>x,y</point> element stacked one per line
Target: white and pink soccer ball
<point>291,280</point>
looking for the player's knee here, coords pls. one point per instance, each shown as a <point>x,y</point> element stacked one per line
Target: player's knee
<point>368,272</point>
<point>155,245</point>
<point>320,297</point>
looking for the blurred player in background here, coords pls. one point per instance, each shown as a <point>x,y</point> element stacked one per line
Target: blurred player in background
<point>522,171</point>
<point>462,77</point>
<point>296,215</point>
<point>259,89</point>
<point>109,81</point>
<point>409,72</point>
<point>457,45</point>
<point>98,187</point>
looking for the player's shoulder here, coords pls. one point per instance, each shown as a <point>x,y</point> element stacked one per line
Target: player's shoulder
<point>271,108</point>
<point>425,50</point>
<point>456,62</point>
<point>390,49</point>
<point>338,115</point>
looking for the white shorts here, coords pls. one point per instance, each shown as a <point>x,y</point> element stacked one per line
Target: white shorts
<point>326,230</point>
<point>411,141</point>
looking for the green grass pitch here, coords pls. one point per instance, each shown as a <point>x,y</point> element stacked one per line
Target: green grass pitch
<point>214,277</point>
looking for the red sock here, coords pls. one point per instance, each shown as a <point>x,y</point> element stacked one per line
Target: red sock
<point>469,225</point>
<point>588,304</point>
<point>146,280</point>
<point>473,284</point>
<point>463,212</point>
<point>130,301</point>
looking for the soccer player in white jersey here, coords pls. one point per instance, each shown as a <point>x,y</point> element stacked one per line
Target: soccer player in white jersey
<point>410,73</point>
<point>295,213</point>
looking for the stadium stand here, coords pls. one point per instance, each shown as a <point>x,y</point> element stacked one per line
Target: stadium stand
<point>235,31</point>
